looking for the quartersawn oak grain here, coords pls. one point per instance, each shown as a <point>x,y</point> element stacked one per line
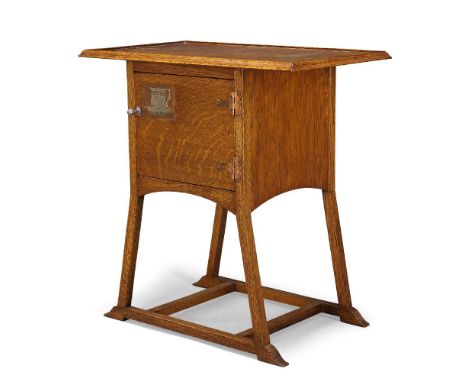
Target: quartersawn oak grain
<point>250,123</point>
<point>247,56</point>
<point>217,238</point>
<point>224,198</point>
<point>195,146</point>
<point>184,70</point>
<point>288,116</point>
<point>135,209</point>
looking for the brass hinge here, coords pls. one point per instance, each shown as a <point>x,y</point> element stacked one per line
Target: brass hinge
<point>233,167</point>
<point>235,103</point>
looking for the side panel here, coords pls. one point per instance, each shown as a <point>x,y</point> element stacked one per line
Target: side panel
<point>291,119</point>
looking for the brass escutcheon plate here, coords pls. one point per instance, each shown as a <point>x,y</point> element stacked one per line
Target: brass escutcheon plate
<point>162,101</point>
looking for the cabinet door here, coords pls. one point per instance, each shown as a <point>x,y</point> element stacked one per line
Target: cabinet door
<point>186,131</point>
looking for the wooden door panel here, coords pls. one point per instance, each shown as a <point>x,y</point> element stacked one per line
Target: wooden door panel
<point>186,131</point>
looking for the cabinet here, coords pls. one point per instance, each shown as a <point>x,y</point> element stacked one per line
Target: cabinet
<point>238,125</point>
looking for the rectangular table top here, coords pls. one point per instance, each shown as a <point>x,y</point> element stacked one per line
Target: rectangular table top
<point>248,56</point>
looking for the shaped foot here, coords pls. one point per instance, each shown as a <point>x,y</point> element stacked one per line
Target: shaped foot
<point>270,354</point>
<point>209,281</point>
<point>116,314</point>
<point>202,283</point>
<point>353,317</point>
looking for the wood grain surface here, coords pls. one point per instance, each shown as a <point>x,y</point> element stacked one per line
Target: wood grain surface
<point>135,209</point>
<point>266,352</point>
<point>245,123</point>
<point>244,225</point>
<point>287,319</point>
<point>217,239</point>
<point>224,198</point>
<point>270,293</point>
<point>247,56</point>
<point>336,248</point>
<point>181,326</point>
<point>194,299</point>
<point>289,118</point>
<point>184,70</point>
<point>198,144</point>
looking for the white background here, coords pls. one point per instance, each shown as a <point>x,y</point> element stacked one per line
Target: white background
<point>401,184</point>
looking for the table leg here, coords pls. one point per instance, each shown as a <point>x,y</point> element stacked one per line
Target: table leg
<point>216,247</point>
<point>217,238</point>
<point>130,254</point>
<point>265,351</point>
<point>348,314</point>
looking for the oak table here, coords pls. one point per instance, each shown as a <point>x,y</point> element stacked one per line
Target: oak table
<point>236,124</point>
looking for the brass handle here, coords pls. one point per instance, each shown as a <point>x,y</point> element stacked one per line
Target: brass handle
<point>136,111</point>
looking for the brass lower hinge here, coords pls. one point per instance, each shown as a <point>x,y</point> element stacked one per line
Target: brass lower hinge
<point>235,103</point>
